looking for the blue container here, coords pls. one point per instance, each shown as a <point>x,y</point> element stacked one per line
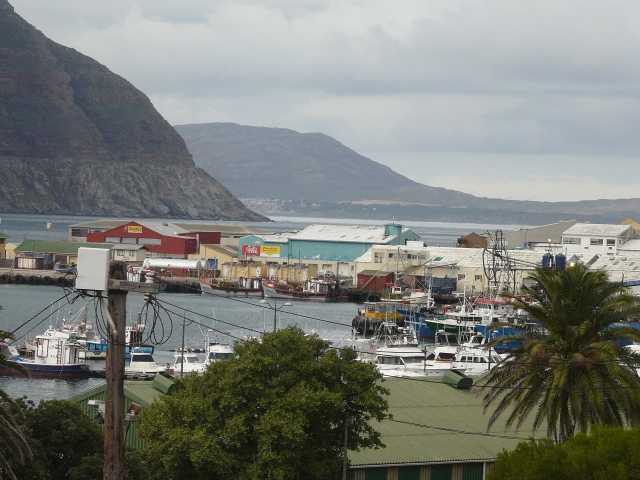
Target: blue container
<point>547,260</point>
<point>561,262</point>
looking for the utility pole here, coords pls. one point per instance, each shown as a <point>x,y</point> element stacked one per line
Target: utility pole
<point>118,288</point>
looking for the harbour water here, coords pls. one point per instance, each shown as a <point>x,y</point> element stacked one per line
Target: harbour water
<point>237,318</point>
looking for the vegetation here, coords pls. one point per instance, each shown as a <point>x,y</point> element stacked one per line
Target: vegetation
<point>576,375</point>
<point>14,448</point>
<point>276,410</point>
<point>606,453</point>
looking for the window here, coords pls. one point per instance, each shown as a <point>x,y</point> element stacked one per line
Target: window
<point>478,278</point>
<point>132,253</point>
<point>76,232</point>
<point>611,241</point>
<point>149,241</point>
<point>120,253</point>
<point>596,241</point>
<point>462,276</point>
<point>129,240</point>
<point>377,258</point>
<point>390,255</point>
<point>112,239</point>
<point>571,240</point>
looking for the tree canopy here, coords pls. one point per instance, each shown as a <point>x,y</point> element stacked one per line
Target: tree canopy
<point>574,373</point>
<point>275,410</point>
<point>607,453</point>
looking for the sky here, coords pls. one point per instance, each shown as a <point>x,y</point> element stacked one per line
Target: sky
<point>507,99</point>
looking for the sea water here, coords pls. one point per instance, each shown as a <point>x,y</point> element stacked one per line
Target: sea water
<point>237,318</point>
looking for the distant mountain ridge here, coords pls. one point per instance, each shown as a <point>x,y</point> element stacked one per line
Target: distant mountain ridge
<point>304,168</point>
<point>76,138</point>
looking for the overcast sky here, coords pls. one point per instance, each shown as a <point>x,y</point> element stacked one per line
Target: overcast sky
<point>501,98</point>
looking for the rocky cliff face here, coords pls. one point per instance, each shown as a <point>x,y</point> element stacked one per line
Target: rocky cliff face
<point>77,139</point>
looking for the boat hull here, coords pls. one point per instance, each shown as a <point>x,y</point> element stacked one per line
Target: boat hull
<point>271,292</point>
<point>69,371</point>
<point>229,291</point>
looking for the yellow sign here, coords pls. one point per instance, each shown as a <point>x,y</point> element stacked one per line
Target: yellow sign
<point>134,229</point>
<point>269,251</point>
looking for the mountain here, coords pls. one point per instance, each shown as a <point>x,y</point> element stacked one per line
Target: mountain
<point>314,174</point>
<point>76,138</point>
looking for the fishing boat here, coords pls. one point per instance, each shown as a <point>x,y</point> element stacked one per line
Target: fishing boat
<point>324,288</point>
<point>248,287</point>
<point>55,357</point>
<point>133,335</point>
<point>373,314</point>
<point>395,353</point>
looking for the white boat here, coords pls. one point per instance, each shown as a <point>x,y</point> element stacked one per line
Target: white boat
<point>143,363</point>
<point>216,349</point>
<point>186,362</point>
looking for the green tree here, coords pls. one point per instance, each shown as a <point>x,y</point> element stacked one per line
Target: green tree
<point>275,410</point>
<point>576,375</point>
<point>61,436</point>
<point>604,454</point>
<point>14,448</point>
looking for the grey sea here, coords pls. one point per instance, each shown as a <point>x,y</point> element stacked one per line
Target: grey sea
<point>28,309</point>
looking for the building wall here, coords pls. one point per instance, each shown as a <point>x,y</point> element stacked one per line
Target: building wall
<point>589,245</point>
<point>329,251</point>
<point>210,238</point>
<point>135,233</point>
<point>125,255</point>
<point>444,471</point>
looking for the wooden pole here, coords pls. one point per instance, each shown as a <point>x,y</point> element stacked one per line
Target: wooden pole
<point>113,467</point>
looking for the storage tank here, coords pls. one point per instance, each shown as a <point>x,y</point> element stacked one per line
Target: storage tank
<point>547,260</point>
<point>173,263</point>
<point>561,262</point>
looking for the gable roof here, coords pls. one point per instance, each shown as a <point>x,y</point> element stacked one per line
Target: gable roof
<point>597,229</point>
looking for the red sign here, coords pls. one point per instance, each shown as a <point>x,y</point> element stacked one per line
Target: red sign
<point>251,250</point>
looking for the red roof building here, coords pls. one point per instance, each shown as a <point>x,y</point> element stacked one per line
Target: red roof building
<point>166,239</point>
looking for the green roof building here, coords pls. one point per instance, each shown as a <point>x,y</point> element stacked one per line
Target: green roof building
<point>137,393</point>
<point>437,432</point>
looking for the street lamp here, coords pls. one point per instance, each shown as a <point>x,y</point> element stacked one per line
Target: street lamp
<point>275,310</point>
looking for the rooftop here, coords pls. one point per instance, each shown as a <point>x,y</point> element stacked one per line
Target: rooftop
<point>597,229</point>
<point>224,229</point>
<point>434,422</point>
<point>345,233</point>
<point>61,247</point>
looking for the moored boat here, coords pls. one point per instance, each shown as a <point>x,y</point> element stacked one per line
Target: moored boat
<point>55,356</point>
<point>248,287</point>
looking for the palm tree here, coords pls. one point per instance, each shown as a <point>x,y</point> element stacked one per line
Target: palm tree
<point>576,374</point>
<point>12,441</point>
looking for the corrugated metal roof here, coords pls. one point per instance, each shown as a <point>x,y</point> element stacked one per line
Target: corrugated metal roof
<point>63,247</point>
<point>345,233</point>
<point>463,257</point>
<point>616,266</point>
<point>224,229</point>
<point>597,229</point>
<point>276,237</point>
<point>433,422</point>
<point>2,235</point>
<point>631,246</point>
<point>165,228</point>
<point>106,224</point>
